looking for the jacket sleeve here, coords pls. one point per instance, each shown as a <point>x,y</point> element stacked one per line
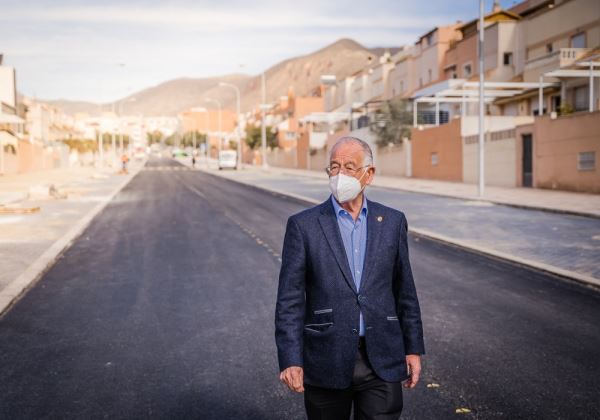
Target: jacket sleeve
<point>406,299</point>
<point>290,307</point>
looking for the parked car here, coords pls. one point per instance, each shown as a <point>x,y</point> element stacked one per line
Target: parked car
<point>227,159</point>
<point>178,153</point>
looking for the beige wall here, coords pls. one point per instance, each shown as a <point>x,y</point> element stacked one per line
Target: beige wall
<point>445,140</point>
<point>556,144</point>
<point>318,160</point>
<point>391,160</point>
<point>282,158</point>
<point>555,26</point>
<point>33,157</point>
<point>500,149</point>
<point>500,159</point>
<point>558,24</point>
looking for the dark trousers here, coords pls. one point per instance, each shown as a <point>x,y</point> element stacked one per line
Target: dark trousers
<point>373,398</point>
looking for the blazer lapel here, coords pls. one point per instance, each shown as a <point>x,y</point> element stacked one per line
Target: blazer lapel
<point>329,224</point>
<point>375,223</point>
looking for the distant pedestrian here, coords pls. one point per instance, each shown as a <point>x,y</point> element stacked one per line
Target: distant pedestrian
<point>193,161</point>
<point>124,161</point>
<point>347,321</point>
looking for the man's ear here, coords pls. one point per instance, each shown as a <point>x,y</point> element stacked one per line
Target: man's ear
<point>370,175</point>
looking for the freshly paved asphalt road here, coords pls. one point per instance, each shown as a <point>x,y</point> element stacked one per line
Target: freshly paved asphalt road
<point>564,241</point>
<point>164,308</point>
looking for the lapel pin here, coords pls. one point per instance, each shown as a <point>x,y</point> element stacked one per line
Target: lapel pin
<point>379,218</point>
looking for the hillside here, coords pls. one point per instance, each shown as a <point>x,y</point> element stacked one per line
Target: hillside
<point>302,74</point>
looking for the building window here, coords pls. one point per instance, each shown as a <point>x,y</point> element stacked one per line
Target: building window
<point>434,159</point>
<point>467,70</point>
<point>290,135</point>
<point>401,86</point>
<point>578,41</point>
<point>429,40</point>
<point>549,48</point>
<point>586,161</point>
<point>508,58</point>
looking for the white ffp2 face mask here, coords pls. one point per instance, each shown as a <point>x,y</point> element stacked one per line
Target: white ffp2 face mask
<point>345,188</point>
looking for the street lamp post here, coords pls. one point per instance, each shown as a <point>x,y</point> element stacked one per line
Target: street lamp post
<point>219,106</point>
<point>481,101</point>
<point>263,127</point>
<point>100,141</point>
<point>239,122</point>
<point>114,139</point>
<point>120,125</point>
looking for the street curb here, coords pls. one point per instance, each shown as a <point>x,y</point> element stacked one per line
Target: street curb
<point>441,194</point>
<point>16,198</point>
<point>19,286</point>
<point>546,268</point>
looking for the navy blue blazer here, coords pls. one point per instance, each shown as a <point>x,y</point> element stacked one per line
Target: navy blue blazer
<point>318,306</point>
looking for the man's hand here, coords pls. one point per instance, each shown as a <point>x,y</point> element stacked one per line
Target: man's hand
<point>293,377</point>
<point>413,362</point>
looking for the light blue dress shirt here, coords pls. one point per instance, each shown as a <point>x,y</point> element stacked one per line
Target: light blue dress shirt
<point>354,236</point>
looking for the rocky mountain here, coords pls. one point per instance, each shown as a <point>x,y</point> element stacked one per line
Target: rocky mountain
<point>300,74</point>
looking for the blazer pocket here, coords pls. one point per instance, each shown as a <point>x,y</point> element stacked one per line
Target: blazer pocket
<point>323,311</point>
<point>324,326</point>
<point>392,318</point>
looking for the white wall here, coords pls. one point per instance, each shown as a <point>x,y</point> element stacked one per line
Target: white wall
<point>8,91</point>
<point>500,155</point>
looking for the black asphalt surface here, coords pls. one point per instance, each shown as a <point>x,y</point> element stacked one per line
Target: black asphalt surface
<point>164,308</point>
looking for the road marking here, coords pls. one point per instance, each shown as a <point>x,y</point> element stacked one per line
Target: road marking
<point>194,190</point>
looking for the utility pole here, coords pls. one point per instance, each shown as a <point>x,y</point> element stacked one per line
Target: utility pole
<point>481,102</point>
<point>239,122</point>
<point>120,129</point>
<point>263,126</point>
<point>114,140</point>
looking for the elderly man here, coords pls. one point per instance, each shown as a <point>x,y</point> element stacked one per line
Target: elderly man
<point>347,322</point>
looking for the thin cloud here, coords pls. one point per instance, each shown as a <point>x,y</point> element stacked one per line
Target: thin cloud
<point>70,50</point>
<point>250,18</point>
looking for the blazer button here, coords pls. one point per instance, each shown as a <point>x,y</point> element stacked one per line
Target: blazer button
<point>361,298</point>
<point>354,331</point>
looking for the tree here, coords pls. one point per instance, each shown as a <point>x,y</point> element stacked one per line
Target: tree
<point>155,136</point>
<point>392,122</point>
<point>254,137</point>
<point>188,139</point>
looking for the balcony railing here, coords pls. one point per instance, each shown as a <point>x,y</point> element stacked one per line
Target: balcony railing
<point>569,55</point>
<point>561,58</point>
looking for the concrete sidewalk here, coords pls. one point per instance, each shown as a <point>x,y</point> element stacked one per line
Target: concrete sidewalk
<point>30,243</point>
<point>535,198</point>
<point>563,244</point>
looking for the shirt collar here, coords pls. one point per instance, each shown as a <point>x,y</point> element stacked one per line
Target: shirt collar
<point>337,208</point>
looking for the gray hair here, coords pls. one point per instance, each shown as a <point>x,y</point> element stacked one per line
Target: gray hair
<point>367,153</point>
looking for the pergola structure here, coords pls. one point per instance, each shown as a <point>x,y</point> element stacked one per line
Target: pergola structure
<point>564,73</point>
<point>463,92</point>
<point>325,117</point>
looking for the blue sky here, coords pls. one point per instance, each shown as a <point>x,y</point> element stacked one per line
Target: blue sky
<point>101,51</point>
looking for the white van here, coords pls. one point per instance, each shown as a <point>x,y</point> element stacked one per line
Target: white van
<point>227,159</point>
